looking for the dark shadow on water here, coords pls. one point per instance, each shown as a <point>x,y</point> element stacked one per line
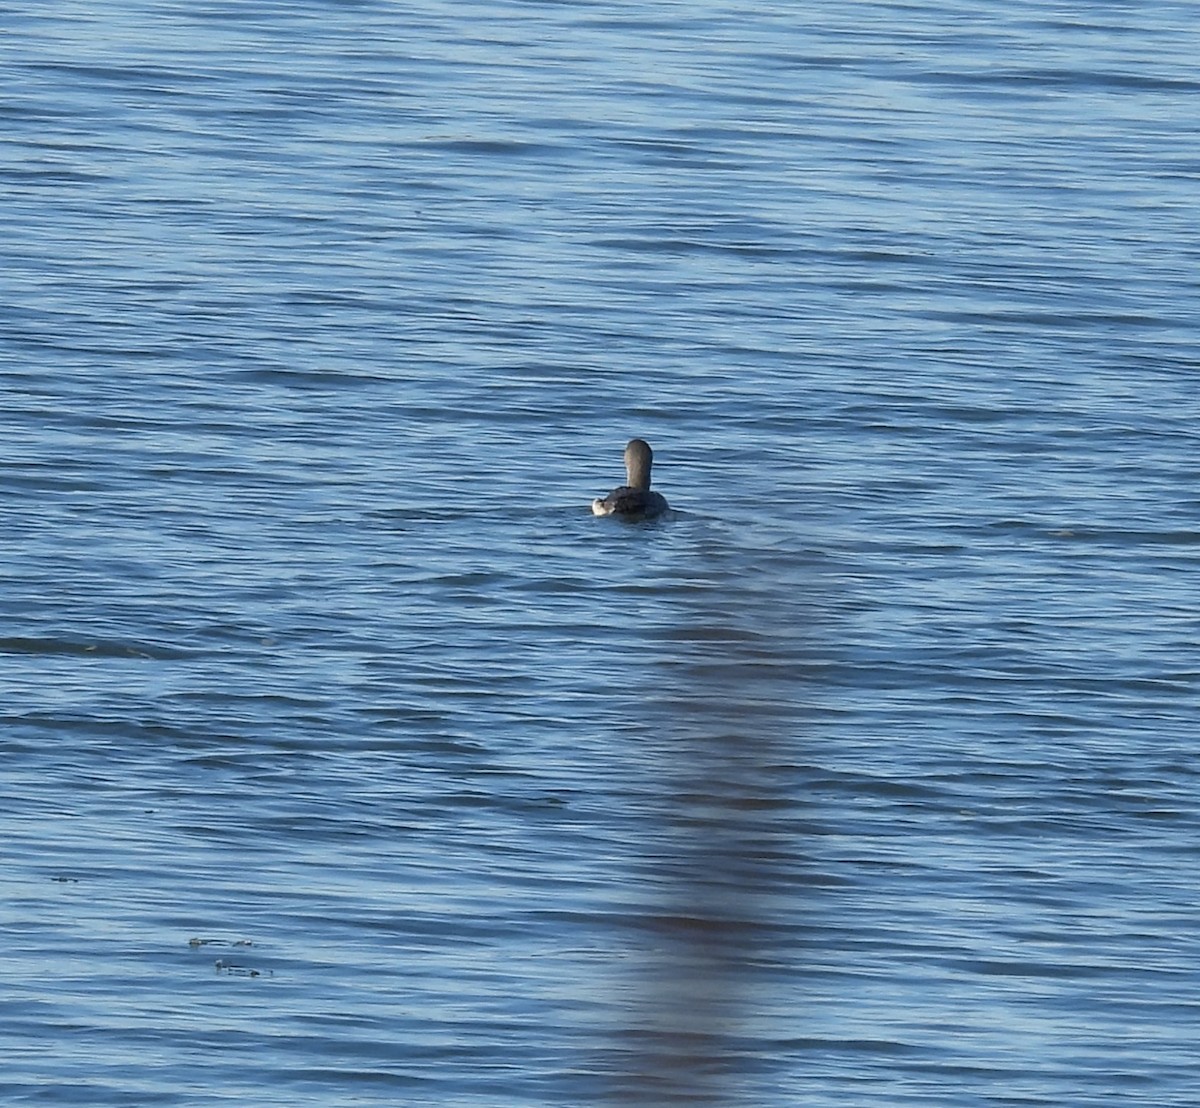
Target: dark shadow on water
<point>719,864</point>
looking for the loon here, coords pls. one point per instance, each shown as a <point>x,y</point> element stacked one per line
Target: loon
<point>634,500</point>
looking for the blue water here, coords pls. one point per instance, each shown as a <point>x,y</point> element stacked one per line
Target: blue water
<point>349,760</point>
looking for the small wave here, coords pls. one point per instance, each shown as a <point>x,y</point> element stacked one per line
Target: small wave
<point>88,649</point>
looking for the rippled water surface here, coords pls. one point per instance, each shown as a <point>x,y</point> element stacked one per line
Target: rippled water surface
<point>348,759</point>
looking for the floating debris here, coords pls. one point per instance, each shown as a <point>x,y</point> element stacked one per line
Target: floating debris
<point>232,968</point>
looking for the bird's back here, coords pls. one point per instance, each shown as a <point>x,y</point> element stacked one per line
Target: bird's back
<point>631,502</point>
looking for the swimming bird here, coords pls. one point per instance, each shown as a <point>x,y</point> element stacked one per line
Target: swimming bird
<point>634,500</point>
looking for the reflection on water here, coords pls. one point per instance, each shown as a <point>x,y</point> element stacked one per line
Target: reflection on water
<point>721,834</point>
